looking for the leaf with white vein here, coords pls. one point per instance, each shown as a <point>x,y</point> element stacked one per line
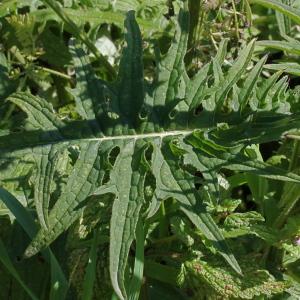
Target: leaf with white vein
<point>130,130</point>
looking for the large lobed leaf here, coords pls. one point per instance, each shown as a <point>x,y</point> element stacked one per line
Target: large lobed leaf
<point>132,130</point>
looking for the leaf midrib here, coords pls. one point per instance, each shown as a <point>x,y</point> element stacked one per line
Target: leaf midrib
<point>143,135</point>
<point>76,140</point>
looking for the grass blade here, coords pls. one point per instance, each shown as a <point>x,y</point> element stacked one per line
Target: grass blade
<point>90,273</point>
<point>26,221</point>
<point>137,279</point>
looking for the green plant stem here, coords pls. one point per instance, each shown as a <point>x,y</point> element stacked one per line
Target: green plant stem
<point>114,297</point>
<point>54,72</point>
<point>12,106</point>
<point>164,240</point>
<point>170,6</point>
<point>18,55</point>
<point>293,137</point>
<point>163,224</point>
<point>295,154</point>
<point>8,113</point>
<point>289,205</point>
<point>90,272</point>
<point>236,22</point>
<point>160,272</point>
<point>81,35</point>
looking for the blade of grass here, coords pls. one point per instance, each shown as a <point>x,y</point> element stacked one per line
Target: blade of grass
<point>161,272</point>
<point>59,283</point>
<point>90,274</point>
<point>290,196</point>
<point>137,280</point>
<point>6,261</point>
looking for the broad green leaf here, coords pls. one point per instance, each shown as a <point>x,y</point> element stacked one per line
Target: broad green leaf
<point>210,277</point>
<point>213,157</point>
<point>131,74</point>
<point>46,160</point>
<point>81,182</point>
<point>96,16</point>
<point>171,71</point>
<point>179,184</point>
<point>131,131</point>
<point>88,88</point>
<point>40,113</point>
<point>128,177</point>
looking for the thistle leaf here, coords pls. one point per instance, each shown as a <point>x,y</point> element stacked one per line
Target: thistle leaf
<point>130,130</point>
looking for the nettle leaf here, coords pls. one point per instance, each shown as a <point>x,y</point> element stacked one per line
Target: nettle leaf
<point>21,32</point>
<point>239,224</point>
<point>132,130</point>
<point>210,277</point>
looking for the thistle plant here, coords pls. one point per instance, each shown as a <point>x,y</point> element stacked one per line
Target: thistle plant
<point>136,155</point>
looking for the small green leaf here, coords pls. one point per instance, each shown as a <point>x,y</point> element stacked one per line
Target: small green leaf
<point>292,47</point>
<point>290,68</point>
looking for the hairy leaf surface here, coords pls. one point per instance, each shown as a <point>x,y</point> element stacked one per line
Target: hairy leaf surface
<point>131,129</point>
